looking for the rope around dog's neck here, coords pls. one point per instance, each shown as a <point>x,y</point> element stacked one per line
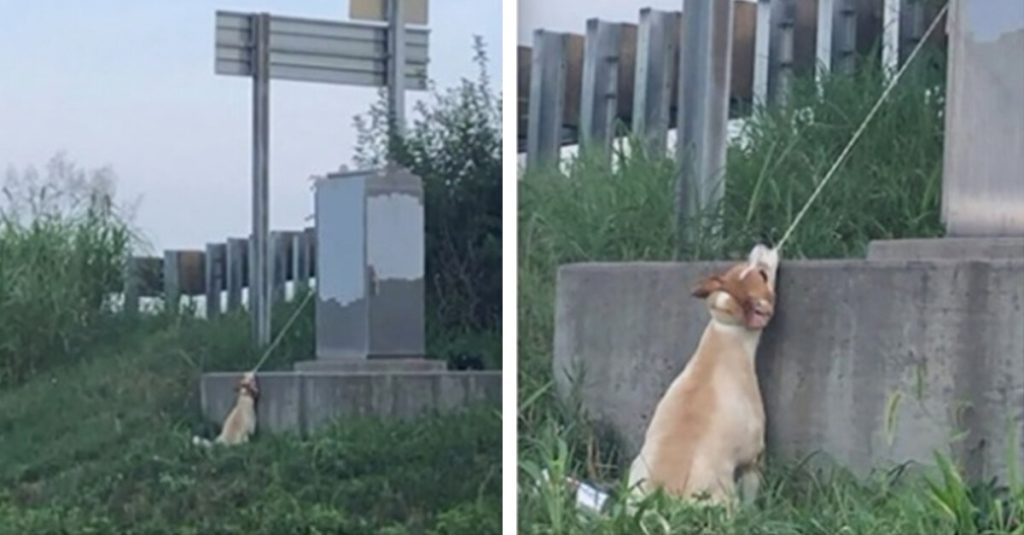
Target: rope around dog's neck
<point>281,333</point>
<point>863,125</point>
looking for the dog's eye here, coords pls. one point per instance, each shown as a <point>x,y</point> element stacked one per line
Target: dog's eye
<point>763,274</point>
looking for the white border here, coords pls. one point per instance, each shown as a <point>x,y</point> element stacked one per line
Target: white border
<point>509,270</point>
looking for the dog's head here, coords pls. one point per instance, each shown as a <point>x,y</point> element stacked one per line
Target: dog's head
<point>743,295</point>
<point>247,385</point>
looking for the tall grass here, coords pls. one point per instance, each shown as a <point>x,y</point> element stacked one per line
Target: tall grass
<point>888,188</point>
<point>62,248</point>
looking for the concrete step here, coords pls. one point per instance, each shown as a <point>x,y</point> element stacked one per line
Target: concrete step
<point>305,401</point>
<point>356,365</point>
<point>1002,248</point>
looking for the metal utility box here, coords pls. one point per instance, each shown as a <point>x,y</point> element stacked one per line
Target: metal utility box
<point>369,265</point>
<point>983,175</point>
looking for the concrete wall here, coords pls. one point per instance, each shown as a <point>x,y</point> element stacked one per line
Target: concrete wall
<point>948,336</point>
<point>303,402</point>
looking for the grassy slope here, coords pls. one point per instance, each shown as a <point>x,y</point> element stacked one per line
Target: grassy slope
<point>104,444</point>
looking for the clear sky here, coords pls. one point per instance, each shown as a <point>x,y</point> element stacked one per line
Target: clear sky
<point>130,83</point>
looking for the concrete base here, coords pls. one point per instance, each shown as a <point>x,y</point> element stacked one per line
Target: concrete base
<point>1003,248</point>
<point>359,365</point>
<point>945,338</point>
<point>304,401</point>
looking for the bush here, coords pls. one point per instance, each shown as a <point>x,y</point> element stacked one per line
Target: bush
<point>454,145</point>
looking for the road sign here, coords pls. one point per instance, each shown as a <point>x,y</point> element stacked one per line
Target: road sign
<point>262,47</point>
<point>416,11</point>
<point>319,51</point>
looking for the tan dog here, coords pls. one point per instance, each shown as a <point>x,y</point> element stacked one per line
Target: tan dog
<point>241,421</point>
<point>708,428</point>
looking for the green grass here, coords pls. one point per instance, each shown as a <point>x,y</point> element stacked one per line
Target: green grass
<point>889,188</point>
<point>103,446</point>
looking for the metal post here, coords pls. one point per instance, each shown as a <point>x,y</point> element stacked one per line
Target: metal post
<point>396,66</point>
<point>823,46</point>
<point>783,49</point>
<point>547,98</point>
<point>657,42</point>
<point>913,22</point>
<point>891,35</point>
<point>259,280</point>
<point>599,101</point>
<point>301,258</point>
<point>172,281</point>
<point>132,282</point>
<point>310,233</point>
<point>762,51</point>
<point>213,275</point>
<point>279,265</point>
<point>235,268</point>
<point>844,48</point>
<point>704,81</point>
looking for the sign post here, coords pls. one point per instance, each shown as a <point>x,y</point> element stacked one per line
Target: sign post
<point>263,46</point>
<point>396,66</point>
<point>259,285</point>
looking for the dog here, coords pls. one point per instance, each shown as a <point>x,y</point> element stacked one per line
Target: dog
<point>708,429</point>
<point>240,424</point>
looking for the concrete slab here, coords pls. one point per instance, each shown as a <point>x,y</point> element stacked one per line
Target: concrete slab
<point>996,248</point>
<point>361,365</point>
<point>217,396</point>
<point>848,336</point>
<point>305,401</point>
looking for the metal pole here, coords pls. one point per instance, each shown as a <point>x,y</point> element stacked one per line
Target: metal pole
<point>891,35</point>
<point>823,55</point>
<point>657,42</point>
<point>547,99</point>
<point>704,81</point>
<point>396,66</point>
<point>762,51</point>
<point>599,101</point>
<point>259,285</point>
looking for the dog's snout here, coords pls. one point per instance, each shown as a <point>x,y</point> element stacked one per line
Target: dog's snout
<point>763,306</point>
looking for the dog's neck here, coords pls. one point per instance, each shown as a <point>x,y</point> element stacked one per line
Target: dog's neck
<point>726,334</point>
<point>245,398</point>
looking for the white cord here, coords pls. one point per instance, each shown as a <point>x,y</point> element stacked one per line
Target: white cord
<point>860,129</point>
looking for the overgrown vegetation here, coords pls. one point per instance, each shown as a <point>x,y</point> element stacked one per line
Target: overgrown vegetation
<point>592,211</point>
<point>62,245</point>
<point>454,144</point>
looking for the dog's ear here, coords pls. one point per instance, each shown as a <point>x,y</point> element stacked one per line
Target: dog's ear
<point>707,287</point>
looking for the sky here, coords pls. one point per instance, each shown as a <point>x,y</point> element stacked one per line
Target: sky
<point>130,84</point>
